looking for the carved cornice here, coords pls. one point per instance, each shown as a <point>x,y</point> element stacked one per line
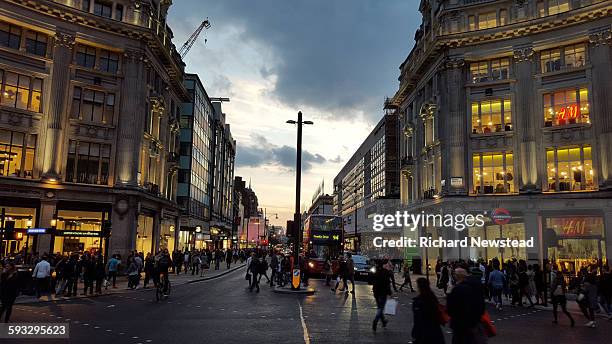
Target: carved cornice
<point>454,63</point>
<point>523,54</point>
<point>602,37</point>
<point>134,55</point>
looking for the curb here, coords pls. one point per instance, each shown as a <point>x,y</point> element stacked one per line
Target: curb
<point>283,290</point>
<point>215,276</point>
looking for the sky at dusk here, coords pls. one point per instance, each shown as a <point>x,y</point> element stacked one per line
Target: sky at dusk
<point>335,61</point>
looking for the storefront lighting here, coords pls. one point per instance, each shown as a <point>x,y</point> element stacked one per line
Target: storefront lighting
<point>198,229</point>
<point>171,228</point>
<point>53,222</point>
<point>29,223</point>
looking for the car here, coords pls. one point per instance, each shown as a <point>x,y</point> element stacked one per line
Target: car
<point>364,271</point>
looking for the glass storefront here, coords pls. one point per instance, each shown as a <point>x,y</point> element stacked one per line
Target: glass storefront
<point>514,230</point>
<point>183,240</point>
<point>580,242</point>
<point>79,231</point>
<point>144,234</point>
<point>166,238</point>
<point>20,217</point>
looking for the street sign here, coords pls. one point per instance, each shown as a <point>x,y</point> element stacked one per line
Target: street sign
<point>295,280</point>
<point>33,231</point>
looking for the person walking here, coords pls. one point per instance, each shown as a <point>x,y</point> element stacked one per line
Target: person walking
<point>350,273</point>
<point>381,290</point>
<point>496,283</point>
<point>112,266</point>
<point>444,277</point>
<point>228,258</point>
<point>89,273</point>
<point>538,277</point>
<point>100,273</point>
<point>327,270</point>
<point>9,289</point>
<point>427,317</point>
<point>263,270</point>
<point>407,279</point>
<point>186,257</point>
<point>253,269</point>
<point>41,275</point>
<point>605,291</point>
<point>71,275</point>
<point>132,272</point>
<point>342,272</point>
<point>466,306</point>
<point>391,267</point>
<point>149,270</point>
<point>558,289</point>
<point>274,266</point>
<point>587,297</point>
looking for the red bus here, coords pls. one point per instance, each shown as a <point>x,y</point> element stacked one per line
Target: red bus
<point>323,237</point>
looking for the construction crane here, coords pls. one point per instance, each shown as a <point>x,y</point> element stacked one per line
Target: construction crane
<point>194,36</point>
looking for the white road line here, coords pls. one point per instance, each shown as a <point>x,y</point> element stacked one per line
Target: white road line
<point>306,337</point>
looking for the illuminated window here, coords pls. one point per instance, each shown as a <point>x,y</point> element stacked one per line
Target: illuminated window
<point>570,169</point>
<point>503,17</point>
<point>568,106</point>
<point>558,6</point>
<point>85,56</point>
<point>491,116</point>
<point>109,61</point>
<point>498,69</point>
<point>541,8</point>
<point>563,58</point>
<point>91,105</point>
<point>20,91</point>
<point>471,23</point>
<point>88,163</point>
<point>17,154</point>
<point>487,20</point>
<point>493,173</point>
<point>36,43</point>
<point>10,35</point>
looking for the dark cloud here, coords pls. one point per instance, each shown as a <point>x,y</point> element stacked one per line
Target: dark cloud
<point>338,56</point>
<point>261,152</point>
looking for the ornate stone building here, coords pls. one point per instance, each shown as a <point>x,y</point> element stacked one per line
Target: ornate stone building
<point>89,124</point>
<point>507,104</point>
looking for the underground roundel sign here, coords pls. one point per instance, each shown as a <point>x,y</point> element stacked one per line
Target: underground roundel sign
<point>501,216</point>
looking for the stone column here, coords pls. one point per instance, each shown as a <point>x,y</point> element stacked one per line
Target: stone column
<point>124,219</point>
<point>455,127</point>
<point>56,110</point>
<point>47,212</point>
<point>131,122</point>
<point>608,230</point>
<point>526,118</point>
<point>601,101</point>
<point>532,229</point>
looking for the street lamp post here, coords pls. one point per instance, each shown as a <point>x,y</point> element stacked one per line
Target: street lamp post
<point>296,216</point>
<point>28,225</point>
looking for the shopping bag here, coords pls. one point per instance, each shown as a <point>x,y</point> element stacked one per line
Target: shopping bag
<point>391,307</point>
<point>488,327</point>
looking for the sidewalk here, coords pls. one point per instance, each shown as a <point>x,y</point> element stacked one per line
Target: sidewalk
<point>572,305</point>
<point>122,285</point>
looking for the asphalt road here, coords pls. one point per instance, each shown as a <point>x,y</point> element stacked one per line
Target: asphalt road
<point>224,311</point>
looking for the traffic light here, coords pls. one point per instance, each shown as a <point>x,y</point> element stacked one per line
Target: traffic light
<point>106,228</point>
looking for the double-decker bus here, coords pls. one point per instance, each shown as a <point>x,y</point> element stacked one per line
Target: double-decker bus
<point>323,236</point>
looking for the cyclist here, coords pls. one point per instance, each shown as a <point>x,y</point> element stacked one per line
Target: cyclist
<point>163,262</point>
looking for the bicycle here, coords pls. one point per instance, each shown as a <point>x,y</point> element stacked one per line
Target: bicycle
<point>160,293</point>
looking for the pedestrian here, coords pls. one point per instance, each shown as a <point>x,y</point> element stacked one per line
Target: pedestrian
<point>195,263</point>
<point>274,266</point>
<point>218,257</point>
<point>71,275</point>
<point>327,269</point>
<point>186,257</point>
<point>466,306</point>
<point>538,278</point>
<point>9,289</point>
<point>496,284</point>
<point>524,286</point>
<point>558,289</point>
<point>444,277</point>
<point>249,276</point>
<point>605,290</point>
<point>381,289</point>
<point>407,279</point>
<point>263,270</point>
<point>341,275</point>
<point>112,267</point>
<point>149,270</point>
<point>350,273</point>
<point>41,275</point>
<point>254,268</point>
<point>387,265</point>
<point>587,297</point>
<point>89,273</point>
<point>132,272</point>
<point>100,273</point>
<point>228,258</point>
<point>427,317</point>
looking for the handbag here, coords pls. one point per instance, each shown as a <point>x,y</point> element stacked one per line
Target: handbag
<point>488,327</point>
<point>247,277</point>
<point>391,307</point>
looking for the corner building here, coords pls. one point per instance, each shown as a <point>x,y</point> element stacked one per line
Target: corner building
<point>507,104</point>
<point>89,124</point>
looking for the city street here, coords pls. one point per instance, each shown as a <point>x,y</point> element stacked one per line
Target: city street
<point>222,310</point>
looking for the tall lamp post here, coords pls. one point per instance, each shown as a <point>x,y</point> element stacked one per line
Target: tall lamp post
<point>296,281</point>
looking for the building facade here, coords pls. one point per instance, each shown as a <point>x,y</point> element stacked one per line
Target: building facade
<point>195,173</point>
<point>89,125</point>
<point>506,104</point>
<point>372,173</point>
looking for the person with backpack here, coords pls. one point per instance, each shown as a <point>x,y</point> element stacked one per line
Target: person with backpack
<point>254,268</point>
<point>427,316</point>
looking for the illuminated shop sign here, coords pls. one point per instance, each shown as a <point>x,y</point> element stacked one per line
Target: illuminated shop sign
<point>577,226</point>
<point>79,233</point>
<point>33,231</point>
<point>569,111</point>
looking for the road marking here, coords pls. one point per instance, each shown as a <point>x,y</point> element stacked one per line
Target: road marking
<point>306,337</point>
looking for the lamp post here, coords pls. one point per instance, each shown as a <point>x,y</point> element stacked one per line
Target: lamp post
<point>28,225</point>
<point>53,229</point>
<point>295,285</point>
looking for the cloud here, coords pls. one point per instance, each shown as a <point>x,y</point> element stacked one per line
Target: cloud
<point>262,152</point>
<point>340,57</point>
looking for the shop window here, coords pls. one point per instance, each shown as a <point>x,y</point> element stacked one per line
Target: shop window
<point>102,8</point>
<point>491,116</point>
<point>566,107</point>
<point>94,106</point>
<point>563,58</point>
<point>85,56</point>
<point>75,221</point>
<point>10,35</point>
<point>88,163</point>
<point>558,6</point>
<point>497,69</point>
<point>109,61</point>
<point>487,20</point>
<point>493,173</point>
<point>21,91</point>
<point>570,169</point>
<point>119,12</point>
<point>17,154</point>
<point>144,234</point>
